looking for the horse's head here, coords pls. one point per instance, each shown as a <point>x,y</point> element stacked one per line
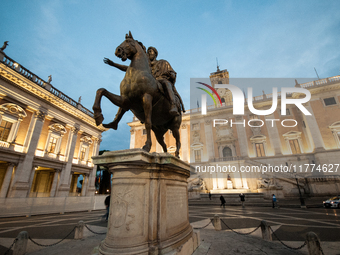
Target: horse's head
<point>128,48</point>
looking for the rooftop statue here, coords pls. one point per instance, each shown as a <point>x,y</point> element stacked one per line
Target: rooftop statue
<point>147,90</point>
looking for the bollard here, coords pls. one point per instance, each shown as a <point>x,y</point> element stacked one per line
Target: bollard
<point>21,244</point>
<point>79,231</point>
<point>266,234</point>
<point>313,244</point>
<point>217,223</point>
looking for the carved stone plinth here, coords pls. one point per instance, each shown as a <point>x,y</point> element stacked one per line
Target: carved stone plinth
<point>149,204</point>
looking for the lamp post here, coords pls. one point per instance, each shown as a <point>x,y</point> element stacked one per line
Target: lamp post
<point>302,201</point>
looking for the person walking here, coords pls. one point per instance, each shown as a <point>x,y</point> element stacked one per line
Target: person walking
<point>209,195</point>
<point>222,201</point>
<point>107,204</point>
<point>274,201</point>
<point>242,196</point>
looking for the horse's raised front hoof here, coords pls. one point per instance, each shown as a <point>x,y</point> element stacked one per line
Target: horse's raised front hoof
<point>113,125</point>
<point>98,118</point>
<point>147,147</point>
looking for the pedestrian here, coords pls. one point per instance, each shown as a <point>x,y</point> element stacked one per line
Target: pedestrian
<point>222,201</point>
<point>107,204</point>
<point>242,196</point>
<point>209,195</point>
<point>274,201</point>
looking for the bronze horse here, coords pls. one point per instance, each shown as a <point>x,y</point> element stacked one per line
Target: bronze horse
<point>139,92</point>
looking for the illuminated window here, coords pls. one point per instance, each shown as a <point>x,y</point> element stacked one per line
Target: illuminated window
<point>84,149</point>
<point>82,153</point>
<point>294,142</point>
<point>10,117</point>
<point>259,145</point>
<point>294,146</point>
<point>5,128</point>
<point>52,144</point>
<point>335,129</point>
<point>260,150</point>
<point>197,155</point>
<point>55,133</point>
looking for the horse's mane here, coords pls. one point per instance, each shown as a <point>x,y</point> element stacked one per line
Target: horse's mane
<point>141,44</point>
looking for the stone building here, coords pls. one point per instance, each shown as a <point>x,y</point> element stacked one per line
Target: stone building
<point>47,139</point>
<point>255,143</point>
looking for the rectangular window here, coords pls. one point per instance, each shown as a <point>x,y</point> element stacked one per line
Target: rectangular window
<point>82,153</point>
<point>260,150</point>
<point>5,128</point>
<point>52,144</point>
<point>144,131</point>
<point>329,101</point>
<point>197,155</point>
<point>294,145</point>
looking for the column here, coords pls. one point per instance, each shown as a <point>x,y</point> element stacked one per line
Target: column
<point>7,180</point>
<point>24,170</point>
<point>64,187</point>
<point>209,139</point>
<point>242,137</point>
<point>84,186</point>
<point>93,174</point>
<point>184,143</point>
<point>273,133</point>
<point>314,130</point>
<point>55,183</point>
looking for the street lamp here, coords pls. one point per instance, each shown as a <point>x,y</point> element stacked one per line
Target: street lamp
<point>302,201</point>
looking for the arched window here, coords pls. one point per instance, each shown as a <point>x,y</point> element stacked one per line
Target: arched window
<point>335,128</point>
<point>227,152</point>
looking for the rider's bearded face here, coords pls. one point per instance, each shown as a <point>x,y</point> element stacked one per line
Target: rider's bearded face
<point>151,54</point>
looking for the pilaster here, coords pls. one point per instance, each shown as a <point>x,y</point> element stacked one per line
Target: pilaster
<point>24,170</point>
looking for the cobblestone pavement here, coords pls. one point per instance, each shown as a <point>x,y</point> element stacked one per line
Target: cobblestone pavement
<point>289,225</point>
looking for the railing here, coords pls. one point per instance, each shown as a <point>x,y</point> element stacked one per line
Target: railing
<point>321,82</point>
<point>4,144</point>
<point>37,80</point>
<point>226,159</point>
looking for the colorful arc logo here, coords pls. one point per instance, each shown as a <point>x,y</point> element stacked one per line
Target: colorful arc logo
<point>213,90</point>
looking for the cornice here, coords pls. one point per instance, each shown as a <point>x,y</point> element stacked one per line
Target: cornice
<point>30,87</point>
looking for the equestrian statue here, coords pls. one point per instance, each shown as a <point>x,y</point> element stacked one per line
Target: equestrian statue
<point>148,90</point>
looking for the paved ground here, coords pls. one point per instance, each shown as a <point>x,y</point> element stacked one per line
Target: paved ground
<point>289,224</point>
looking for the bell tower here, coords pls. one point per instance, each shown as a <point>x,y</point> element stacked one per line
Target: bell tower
<point>221,77</point>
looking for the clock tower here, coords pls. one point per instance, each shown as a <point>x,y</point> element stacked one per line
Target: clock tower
<point>221,77</point>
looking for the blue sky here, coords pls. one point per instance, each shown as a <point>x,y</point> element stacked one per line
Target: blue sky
<point>252,39</point>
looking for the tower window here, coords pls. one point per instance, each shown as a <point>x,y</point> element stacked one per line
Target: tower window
<point>329,101</point>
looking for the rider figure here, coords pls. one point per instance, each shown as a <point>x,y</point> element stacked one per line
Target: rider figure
<point>163,72</point>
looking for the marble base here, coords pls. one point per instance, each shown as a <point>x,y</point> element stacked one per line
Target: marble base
<point>149,203</point>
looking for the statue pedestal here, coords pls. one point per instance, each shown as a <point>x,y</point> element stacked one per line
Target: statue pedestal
<point>149,204</point>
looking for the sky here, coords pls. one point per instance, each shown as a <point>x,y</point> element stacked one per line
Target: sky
<point>69,39</point>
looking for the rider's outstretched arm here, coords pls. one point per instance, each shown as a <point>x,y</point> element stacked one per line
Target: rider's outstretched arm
<point>111,63</point>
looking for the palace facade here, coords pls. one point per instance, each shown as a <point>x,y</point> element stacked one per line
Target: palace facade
<point>304,157</point>
<point>47,140</point>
